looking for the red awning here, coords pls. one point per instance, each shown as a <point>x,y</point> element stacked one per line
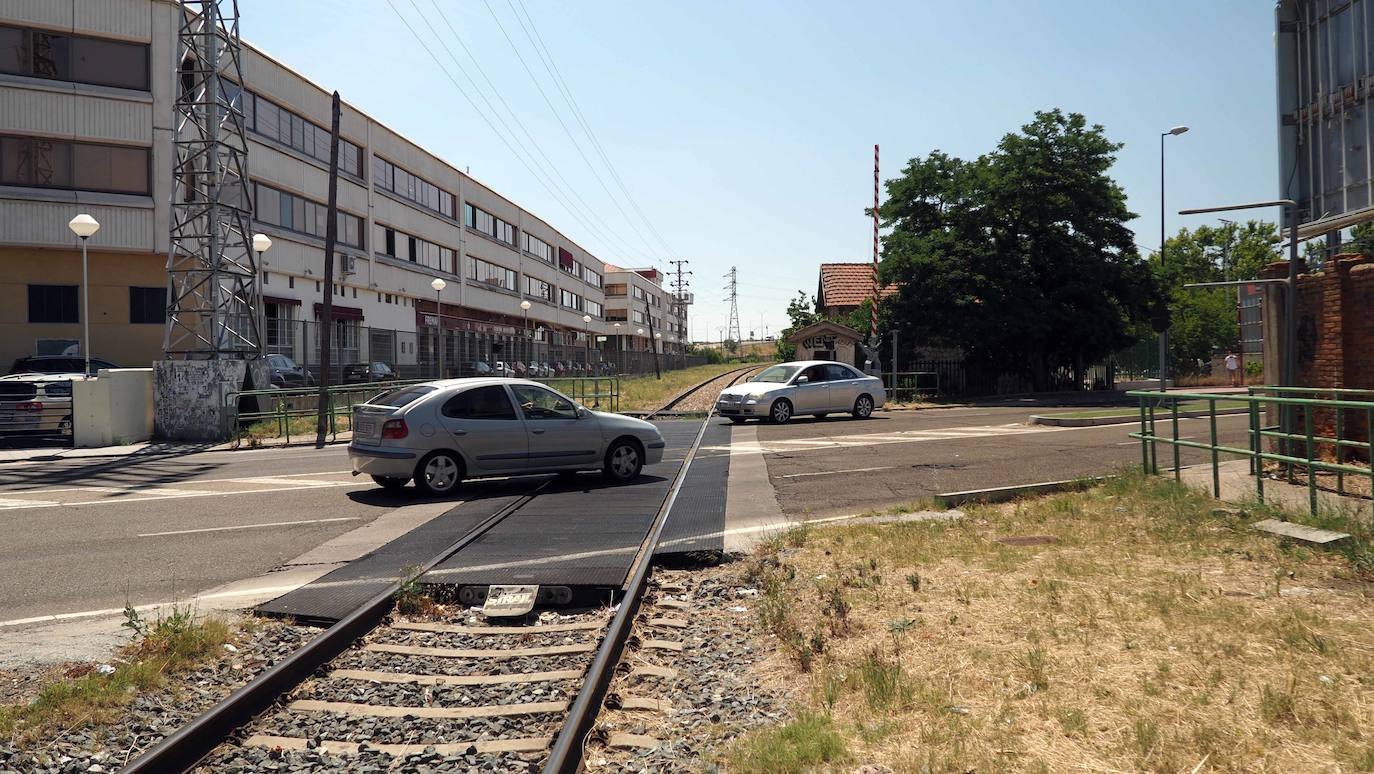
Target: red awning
<point>340,312</point>
<point>565,258</point>
<point>280,300</point>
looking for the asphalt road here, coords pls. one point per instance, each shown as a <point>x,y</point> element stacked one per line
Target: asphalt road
<point>839,466</point>
<point>84,534</point>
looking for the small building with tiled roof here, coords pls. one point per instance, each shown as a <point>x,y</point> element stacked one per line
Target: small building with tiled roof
<point>843,288</point>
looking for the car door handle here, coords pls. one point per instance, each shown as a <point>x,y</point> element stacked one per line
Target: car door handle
<point>460,432</point>
<point>538,431</point>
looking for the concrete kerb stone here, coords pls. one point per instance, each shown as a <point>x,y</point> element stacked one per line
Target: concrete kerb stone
<point>1002,494</point>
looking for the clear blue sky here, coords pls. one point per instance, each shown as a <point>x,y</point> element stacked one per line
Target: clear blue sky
<point>745,130</point>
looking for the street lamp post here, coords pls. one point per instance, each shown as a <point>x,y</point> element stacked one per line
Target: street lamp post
<point>587,344</point>
<point>529,336</point>
<point>1164,334</point>
<point>261,244</point>
<point>619,348</point>
<point>438,284</point>
<point>84,226</point>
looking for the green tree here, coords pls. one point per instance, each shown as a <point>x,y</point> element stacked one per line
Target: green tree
<point>1022,256</point>
<point>1203,321</point>
<point>801,312</point>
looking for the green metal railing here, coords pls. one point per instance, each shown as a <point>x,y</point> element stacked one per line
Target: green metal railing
<point>1294,450</point>
<point>282,407</point>
<point>905,386</point>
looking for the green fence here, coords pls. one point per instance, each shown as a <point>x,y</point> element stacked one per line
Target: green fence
<point>287,412</point>
<point>1292,447</point>
<point>905,386</point>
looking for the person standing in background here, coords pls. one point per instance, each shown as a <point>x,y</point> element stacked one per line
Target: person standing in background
<point>1233,368</point>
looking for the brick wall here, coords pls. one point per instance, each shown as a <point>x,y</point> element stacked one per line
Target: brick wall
<point>1335,335</point>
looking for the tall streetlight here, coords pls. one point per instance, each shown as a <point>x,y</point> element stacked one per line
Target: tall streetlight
<point>587,331</point>
<point>529,337</point>
<point>261,244</point>
<point>619,347</point>
<point>1164,334</point>
<point>438,284</point>
<point>84,226</point>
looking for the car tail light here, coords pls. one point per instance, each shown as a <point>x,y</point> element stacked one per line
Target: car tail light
<point>29,406</point>
<point>394,428</point>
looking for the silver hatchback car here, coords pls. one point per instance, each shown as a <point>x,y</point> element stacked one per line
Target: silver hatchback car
<point>441,432</point>
<point>816,387</point>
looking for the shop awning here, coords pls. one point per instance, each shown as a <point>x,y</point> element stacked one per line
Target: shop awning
<point>340,312</point>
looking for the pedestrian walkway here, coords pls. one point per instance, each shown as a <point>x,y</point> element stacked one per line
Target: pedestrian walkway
<point>1238,486</point>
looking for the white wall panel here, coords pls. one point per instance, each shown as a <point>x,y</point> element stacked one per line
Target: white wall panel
<point>52,113</point>
<point>44,223</point>
<point>130,19</point>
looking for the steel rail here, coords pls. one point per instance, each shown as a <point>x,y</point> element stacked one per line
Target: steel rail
<point>569,747</point>
<point>701,385</point>
<point>188,745</point>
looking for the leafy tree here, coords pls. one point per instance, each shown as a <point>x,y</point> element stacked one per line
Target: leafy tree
<point>1022,256</point>
<point>1203,321</point>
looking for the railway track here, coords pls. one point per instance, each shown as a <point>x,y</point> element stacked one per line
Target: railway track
<point>457,692</point>
<point>736,375</point>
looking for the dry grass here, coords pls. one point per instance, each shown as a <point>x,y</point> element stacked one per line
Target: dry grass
<point>178,642</point>
<point>645,393</point>
<point>1152,634</point>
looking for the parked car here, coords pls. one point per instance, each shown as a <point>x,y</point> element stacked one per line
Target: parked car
<point>58,364</point>
<point>285,373</point>
<point>37,404</point>
<point>816,387</point>
<point>502,368</point>
<point>492,427</point>
<point>368,372</point>
<point>478,368</point>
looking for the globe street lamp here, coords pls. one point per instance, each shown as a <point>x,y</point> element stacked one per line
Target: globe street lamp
<point>261,244</point>
<point>587,331</point>
<point>529,338</point>
<point>438,284</point>
<point>619,347</point>
<point>84,226</point>
<point>1163,320</point>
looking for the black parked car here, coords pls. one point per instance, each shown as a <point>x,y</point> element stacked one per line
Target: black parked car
<point>285,372</point>
<point>57,364</point>
<point>368,372</point>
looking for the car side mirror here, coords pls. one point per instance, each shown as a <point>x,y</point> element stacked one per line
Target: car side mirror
<point>581,412</point>
<point>803,379</point>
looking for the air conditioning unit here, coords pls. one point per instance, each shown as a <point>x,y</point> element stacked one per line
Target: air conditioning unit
<point>348,264</point>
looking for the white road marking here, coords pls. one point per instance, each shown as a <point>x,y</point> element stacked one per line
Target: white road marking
<point>186,495</point>
<point>9,503</point>
<point>248,526</point>
<point>833,472</point>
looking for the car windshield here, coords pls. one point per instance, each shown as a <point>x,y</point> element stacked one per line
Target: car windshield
<point>402,397</point>
<point>777,374</point>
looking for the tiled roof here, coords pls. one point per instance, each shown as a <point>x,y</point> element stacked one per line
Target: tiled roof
<point>848,284</point>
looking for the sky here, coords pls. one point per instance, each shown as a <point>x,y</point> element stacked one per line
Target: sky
<point>740,133</point>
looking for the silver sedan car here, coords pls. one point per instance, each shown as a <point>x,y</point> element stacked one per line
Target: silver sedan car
<point>816,387</point>
<point>441,432</point>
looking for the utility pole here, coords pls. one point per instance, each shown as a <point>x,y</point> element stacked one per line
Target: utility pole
<point>680,296</point>
<point>649,313</point>
<point>733,289</point>
<point>331,228</point>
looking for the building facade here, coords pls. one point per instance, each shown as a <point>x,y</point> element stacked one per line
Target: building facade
<point>86,112</point>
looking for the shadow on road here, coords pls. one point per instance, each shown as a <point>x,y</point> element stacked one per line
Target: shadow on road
<point>145,469</point>
<point>486,489</point>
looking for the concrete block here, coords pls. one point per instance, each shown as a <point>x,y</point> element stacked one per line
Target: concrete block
<point>115,409</point>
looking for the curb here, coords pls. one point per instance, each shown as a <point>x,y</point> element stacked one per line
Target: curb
<point>1001,494</point>
<point>1037,419</point>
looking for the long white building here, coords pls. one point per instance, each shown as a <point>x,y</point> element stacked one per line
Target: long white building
<point>86,111</point>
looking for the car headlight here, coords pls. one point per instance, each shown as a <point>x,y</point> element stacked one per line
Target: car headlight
<point>757,395</point>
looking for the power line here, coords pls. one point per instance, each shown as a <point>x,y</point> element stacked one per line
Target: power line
<point>557,75</point>
<point>499,135</point>
<point>567,187</point>
<point>566,130</point>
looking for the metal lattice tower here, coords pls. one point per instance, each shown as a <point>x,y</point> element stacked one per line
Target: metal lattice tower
<point>680,297</point>
<point>211,272</point>
<point>732,330</point>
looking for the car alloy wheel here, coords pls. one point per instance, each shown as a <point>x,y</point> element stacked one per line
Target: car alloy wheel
<point>863,407</point>
<point>623,461</point>
<point>439,474</point>
<point>781,412</point>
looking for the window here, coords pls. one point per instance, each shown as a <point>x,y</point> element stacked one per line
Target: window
<point>480,403</point>
<point>296,213</point>
<point>571,300</point>
<point>591,277</point>
<point>53,304</point>
<point>615,290</point>
<point>281,125</point>
<point>39,162</point>
<point>539,288</point>
<point>401,397</point>
<point>816,373</point>
<point>392,178</point>
<point>835,373</point>
<point>538,248</point>
<point>405,247</point>
<point>75,58</point>
<point>486,223</point>
<point>639,293</point>
<point>492,274</point>
<point>572,267</point>
<point>539,403</point>
<point>147,306</point>
<point>592,308</point>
